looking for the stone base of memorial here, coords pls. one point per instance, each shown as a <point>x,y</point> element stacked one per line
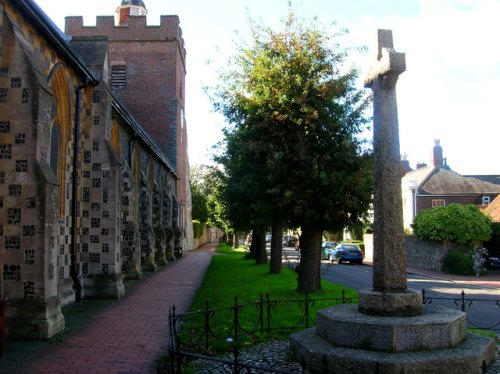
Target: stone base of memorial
<point>435,341</point>
<point>396,304</point>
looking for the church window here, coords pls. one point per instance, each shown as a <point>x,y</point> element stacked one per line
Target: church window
<point>54,149</point>
<point>97,120</point>
<point>118,76</point>
<point>4,72</point>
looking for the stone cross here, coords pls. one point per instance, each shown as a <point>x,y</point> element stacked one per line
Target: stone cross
<point>389,262</point>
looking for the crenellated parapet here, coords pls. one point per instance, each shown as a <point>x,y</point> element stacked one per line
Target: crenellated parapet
<point>137,29</point>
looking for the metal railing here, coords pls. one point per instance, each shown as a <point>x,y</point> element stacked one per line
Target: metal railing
<point>199,339</point>
<point>464,303</point>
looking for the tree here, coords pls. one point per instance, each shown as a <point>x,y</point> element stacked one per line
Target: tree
<point>293,107</point>
<point>455,223</point>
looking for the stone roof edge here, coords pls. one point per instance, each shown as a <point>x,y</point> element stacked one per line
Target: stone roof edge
<point>60,42</point>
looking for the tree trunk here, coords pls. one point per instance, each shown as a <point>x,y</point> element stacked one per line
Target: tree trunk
<point>260,247</point>
<point>230,237</point>
<point>276,247</point>
<point>253,244</point>
<point>309,274</point>
<point>235,240</point>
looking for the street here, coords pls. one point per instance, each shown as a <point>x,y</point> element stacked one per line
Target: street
<point>484,313</point>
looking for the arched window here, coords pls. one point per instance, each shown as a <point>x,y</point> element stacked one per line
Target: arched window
<point>61,130</point>
<point>54,147</point>
<point>115,139</point>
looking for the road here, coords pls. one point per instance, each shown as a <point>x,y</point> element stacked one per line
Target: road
<point>480,313</point>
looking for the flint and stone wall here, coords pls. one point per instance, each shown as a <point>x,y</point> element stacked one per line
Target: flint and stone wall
<point>419,253</point>
<point>50,247</point>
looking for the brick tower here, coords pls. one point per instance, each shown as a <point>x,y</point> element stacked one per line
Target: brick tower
<point>147,69</point>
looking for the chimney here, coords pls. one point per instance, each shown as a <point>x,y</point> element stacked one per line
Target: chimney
<point>437,154</point>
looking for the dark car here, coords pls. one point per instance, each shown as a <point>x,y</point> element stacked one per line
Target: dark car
<point>493,262</point>
<point>347,252</point>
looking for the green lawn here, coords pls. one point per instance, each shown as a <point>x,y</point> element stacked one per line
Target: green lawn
<point>231,275</point>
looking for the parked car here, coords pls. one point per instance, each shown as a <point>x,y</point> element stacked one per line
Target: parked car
<point>492,262</point>
<point>289,241</point>
<point>347,252</point>
<point>326,249</point>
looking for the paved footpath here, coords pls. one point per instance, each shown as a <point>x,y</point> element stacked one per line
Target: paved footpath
<point>123,337</point>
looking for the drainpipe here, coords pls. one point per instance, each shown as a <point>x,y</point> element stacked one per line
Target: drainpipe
<point>74,203</point>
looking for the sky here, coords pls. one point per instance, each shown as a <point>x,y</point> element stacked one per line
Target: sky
<point>449,90</point>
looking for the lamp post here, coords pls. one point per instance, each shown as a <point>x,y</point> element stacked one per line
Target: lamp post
<point>413,187</point>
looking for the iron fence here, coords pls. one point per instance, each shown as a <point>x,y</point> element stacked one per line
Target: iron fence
<point>464,303</point>
<point>213,330</point>
<point>200,339</point>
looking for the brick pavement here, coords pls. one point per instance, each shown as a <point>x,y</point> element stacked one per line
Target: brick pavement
<point>126,336</point>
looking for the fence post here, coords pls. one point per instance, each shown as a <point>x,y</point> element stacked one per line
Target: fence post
<point>3,317</point>
<point>207,324</point>
<point>261,313</point>
<point>307,310</point>
<point>463,300</point>
<point>423,296</point>
<point>236,322</point>
<point>343,296</point>
<point>268,302</point>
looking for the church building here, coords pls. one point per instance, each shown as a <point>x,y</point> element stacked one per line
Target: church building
<point>93,158</point>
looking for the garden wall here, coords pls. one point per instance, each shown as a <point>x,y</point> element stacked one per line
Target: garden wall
<point>419,253</point>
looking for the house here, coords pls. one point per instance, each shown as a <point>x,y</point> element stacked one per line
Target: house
<point>436,184</point>
<point>88,195</point>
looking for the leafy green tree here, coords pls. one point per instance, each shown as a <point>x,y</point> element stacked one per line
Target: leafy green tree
<point>199,195</point>
<point>455,223</point>
<point>295,119</point>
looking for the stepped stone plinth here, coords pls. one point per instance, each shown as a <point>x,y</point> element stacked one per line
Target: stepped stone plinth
<point>436,328</point>
<point>324,358</point>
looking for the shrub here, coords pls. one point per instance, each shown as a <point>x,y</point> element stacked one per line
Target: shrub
<point>458,263</point>
<point>455,223</point>
<point>197,229</point>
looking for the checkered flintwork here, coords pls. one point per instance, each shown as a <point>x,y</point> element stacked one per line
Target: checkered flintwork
<point>86,195</point>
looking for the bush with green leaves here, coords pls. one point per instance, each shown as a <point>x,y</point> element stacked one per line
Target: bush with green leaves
<point>458,263</point>
<point>197,229</point>
<point>455,223</point>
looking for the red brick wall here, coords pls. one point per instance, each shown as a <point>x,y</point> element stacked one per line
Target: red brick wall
<point>155,64</point>
<point>425,202</point>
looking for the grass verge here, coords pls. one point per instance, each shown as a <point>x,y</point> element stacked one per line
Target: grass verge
<point>230,277</point>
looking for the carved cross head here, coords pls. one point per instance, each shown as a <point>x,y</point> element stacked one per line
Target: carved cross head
<point>389,64</point>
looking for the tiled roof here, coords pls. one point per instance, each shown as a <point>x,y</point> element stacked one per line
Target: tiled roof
<point>418,175</point>
<point>487,178</point>
<point>444,181</point>
<point>493,210</point>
